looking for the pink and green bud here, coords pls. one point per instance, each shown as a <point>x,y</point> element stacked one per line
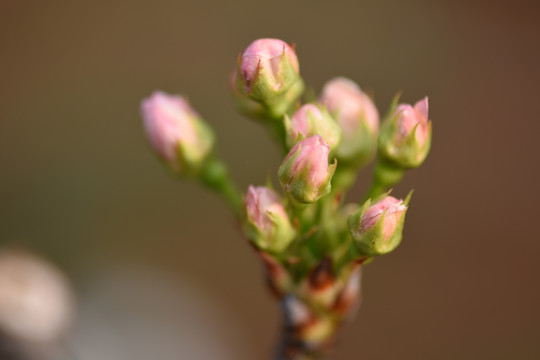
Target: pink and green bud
<point>305,173</point>
<point>267,222</point>
<point>312,120</point>
<point>176,132</point>
<point>356,115</point>
<point>406,135</point>
<point>268,72</point>
<point>267,68</point>
<point>377,228</point>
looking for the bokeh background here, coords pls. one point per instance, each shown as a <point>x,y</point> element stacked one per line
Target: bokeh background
<point>160,268</point>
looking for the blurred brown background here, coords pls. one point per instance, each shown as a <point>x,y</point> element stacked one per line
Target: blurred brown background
<point>79,185</point>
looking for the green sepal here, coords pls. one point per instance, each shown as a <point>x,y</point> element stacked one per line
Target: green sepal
<point>192,157</point>
<point>280,105</point>
<point>287,123</point>
<point>393,105</point>
<point>248,106</point>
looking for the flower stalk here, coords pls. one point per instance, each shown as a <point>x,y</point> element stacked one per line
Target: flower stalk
<point>215,176</point>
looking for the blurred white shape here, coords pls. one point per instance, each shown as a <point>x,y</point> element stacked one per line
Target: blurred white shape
<point>36,305</point>
<point>140,314</point>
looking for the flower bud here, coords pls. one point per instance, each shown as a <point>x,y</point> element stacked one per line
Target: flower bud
<point>305,173</point>
<point>267,68</point>
<point>406,135</point>
<point>377,228</point>
<point>176,132</point>
<point>268,225</point>
<point>312,120</point>
<point>356,115</point>
<point>268,72</point>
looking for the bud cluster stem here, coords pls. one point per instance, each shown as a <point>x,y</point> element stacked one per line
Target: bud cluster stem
<point>215,175</point>
<point>385,176</point>
<point>288,349</point>
<point>277,130</point>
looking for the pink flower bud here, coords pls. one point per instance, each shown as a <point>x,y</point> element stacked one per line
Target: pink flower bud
<point>344,98</point>
<point>267,68</point>
<point>268,223</point>
<point>406,135</point>
<point>377,228</point>
<point>175,131</point>
<point>260,203</point>
<point>312,120</point>
<point>392,209</point>
<point>305,173</point>
<point>410,118</point>
<point>357,116</point>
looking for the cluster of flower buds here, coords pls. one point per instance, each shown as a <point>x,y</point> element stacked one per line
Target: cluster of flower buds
<point>312,245</point>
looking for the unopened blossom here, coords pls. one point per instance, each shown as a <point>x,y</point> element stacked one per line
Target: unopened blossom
<point>267,221</point>
<point>268,72</point>
<point>305,173</point>
<point>309,120</point>
<point>356,115</point>
<point>176,132</point>
<point>377,228</point>
<point>392,209</point>
<point>267,68</point>
<point>406,135</point>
